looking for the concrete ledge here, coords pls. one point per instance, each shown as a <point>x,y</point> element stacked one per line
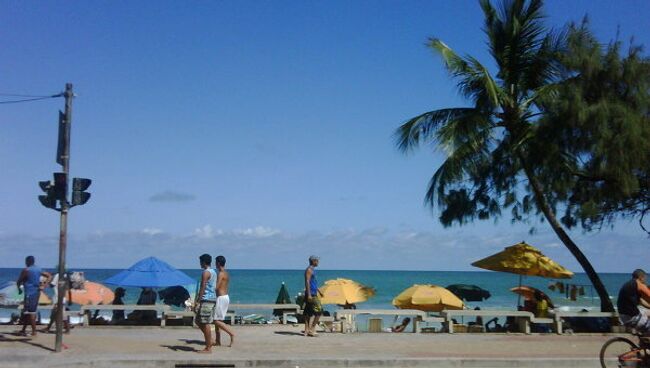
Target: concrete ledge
<point>314,363</point>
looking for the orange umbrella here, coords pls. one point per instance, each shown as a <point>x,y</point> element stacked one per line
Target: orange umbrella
<point>92,293</point>
<point>528,292</point>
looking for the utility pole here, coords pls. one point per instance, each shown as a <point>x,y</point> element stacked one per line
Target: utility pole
<point>57,192</point>
<point>63,235</point>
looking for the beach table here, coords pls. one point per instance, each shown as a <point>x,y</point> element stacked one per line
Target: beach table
<point>418,315</point>
<point>557,318</point>
<point>287,309</point>
<point>87,310</point>
<point>523,318</point>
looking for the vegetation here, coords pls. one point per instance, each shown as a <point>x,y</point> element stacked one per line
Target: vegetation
<point>543,133</point>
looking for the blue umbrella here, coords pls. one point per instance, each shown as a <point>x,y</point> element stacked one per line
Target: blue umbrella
<point>150,272</point>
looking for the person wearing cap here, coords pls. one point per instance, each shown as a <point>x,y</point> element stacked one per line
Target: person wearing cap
<point>629,298</point>
<point>313,308</point>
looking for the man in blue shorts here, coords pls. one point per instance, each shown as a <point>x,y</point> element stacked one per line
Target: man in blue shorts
<point>30,278</point>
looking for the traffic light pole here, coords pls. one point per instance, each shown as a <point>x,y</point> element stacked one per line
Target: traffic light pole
<point>63,236</point>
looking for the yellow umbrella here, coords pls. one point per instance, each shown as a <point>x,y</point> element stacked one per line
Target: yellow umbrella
<point>524,259</point>
<point>429,298</point>
<point>344,291</point>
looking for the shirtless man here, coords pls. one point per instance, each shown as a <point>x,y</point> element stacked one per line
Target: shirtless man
<point>223,301</point>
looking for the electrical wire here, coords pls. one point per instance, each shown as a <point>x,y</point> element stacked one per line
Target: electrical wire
<point>33,98</point>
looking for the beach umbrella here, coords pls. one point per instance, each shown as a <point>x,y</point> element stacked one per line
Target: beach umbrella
<point>469,293</point>
<point>345,291</point>
<point>523,259</point>
<point>150,272</point>
<point>174,295</point>
<point>429,298</point>
<point>283,298</point>
<point>93,293</point>
<point>10,296</point>
<point>528,292</point>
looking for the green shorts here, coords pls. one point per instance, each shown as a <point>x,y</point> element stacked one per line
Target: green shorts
<point>313,307</point>
<point>205,312</point>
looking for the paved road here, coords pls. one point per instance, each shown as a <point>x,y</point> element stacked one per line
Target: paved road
<point>284,346</point>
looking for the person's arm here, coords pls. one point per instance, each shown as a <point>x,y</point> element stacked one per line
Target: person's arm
<point>21,280</point>
<point>220,280</point>
<point>644,291</point>
<point>204,281</point>
<point>308,273</point>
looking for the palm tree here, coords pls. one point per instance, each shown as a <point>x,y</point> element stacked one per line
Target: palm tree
<point>490,146</point>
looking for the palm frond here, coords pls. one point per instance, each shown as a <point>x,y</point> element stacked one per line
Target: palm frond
<point>475,81</point>
<point>467,159</point>
<point>422,127</point>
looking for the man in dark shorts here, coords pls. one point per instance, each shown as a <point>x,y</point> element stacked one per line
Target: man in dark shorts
<point>30,278</point>
<point>313,308</point>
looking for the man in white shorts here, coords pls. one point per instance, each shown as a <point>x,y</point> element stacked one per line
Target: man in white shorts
<point>223,301</point>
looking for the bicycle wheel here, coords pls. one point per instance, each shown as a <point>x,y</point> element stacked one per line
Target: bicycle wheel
<point>614,348</point>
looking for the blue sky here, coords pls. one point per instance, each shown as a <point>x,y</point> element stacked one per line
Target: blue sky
<point>260,130</point>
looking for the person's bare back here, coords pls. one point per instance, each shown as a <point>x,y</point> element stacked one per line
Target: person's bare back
<point>222,282</point>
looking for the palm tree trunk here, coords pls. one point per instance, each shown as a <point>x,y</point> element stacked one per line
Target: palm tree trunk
<point>605,303</point>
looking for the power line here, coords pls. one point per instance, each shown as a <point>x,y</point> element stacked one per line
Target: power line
<point>35,98</point>
<point>21,95</point>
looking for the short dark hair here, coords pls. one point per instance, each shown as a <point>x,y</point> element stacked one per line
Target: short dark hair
<point>220,261</point>
<point>638,273</point>
<point>205,259</point>
<point>29,260</point>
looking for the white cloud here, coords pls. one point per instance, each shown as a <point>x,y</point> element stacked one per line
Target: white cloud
<point>373,248</point>
<point>151,231</point>
<point>204,232</point>
<point>257,232</point>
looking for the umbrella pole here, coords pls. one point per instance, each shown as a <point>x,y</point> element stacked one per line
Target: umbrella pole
<point>519,295</point>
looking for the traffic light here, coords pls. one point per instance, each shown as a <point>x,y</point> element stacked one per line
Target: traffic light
<point>79,194</point>
<point>48,200</point>
<point>54,190</point>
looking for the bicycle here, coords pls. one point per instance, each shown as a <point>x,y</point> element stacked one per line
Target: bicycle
<point>623,352</point>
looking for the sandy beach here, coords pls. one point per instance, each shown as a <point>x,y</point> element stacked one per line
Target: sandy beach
<point>283,346</point>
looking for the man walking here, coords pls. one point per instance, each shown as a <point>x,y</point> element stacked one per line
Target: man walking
<point>30,279</point>
<point>223,301</point>
<point>205,301</point>
<point>313,308</point>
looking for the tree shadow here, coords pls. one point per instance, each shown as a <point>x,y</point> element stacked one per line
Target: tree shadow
<point>289,333</point>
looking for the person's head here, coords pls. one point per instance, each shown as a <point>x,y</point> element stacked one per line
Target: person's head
<point>477,308</point>
<point>29,261</point>
<point>120,292</point>
<point>205,260</point>
<point>220,261</point>
<point>406,321</point>
<point>639,274</point>
<point>538,295</point>
<point>313,261</point>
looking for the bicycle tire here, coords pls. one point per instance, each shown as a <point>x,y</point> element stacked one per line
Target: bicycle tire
<point>606,355</point>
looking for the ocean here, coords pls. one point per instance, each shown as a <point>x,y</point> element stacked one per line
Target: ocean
<point>262,286</point>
